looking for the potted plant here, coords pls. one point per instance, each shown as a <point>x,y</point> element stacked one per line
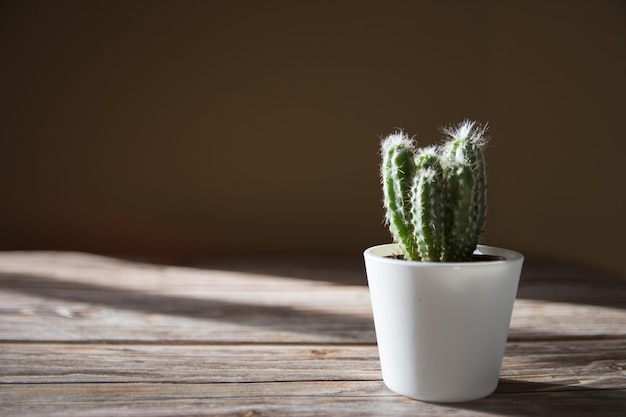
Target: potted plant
<point>442,303</point>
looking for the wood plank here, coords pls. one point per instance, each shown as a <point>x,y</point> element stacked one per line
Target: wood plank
<point>131,317</point>
<point>536,319</point>
<point>45,363</point>
<point>324,315</point>
<point>527,367</point>
<point>286,399</point>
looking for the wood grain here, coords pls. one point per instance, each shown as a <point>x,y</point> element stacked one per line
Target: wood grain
<point>88,335</point>
<point>287,399</point>
<point>589,364</point>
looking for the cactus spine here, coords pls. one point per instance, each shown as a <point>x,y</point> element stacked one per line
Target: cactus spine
<point>428,205</point>
<point>435,198</point>
<point>398,171</point>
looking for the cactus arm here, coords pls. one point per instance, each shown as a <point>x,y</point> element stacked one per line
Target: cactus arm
<point>398,170</point>
<point>460,222</point>
<point>428,205</point>
<point>471,142</point>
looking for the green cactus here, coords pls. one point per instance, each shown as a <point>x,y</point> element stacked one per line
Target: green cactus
<point>435,198</point>
<point>428,203</point>
<point>398,171</point>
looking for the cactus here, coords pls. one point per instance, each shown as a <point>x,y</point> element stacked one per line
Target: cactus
<point>435,197</point>
<point>398,171</point>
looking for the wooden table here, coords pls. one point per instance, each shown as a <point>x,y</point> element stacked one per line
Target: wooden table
<point>86,335</point>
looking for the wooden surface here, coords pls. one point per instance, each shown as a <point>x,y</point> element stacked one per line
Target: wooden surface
<point>86,335</point>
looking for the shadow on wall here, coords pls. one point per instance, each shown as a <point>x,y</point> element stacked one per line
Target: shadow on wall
<point>207,128</point>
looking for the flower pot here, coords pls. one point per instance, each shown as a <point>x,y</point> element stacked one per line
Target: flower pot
<point>441,327</point>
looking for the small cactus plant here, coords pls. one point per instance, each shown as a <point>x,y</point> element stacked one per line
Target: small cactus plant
<point>435,197</point>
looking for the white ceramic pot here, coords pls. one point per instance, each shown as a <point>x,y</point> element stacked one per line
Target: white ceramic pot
<point>442,327</point>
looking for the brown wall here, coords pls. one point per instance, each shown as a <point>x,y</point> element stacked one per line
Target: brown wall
<point>186,128</point>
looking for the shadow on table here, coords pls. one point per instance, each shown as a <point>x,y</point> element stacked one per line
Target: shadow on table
<point>337,269</point>
<point>275,317</point>
<point>567,282</point>
<point>525,398</point>
<point>541,281</point>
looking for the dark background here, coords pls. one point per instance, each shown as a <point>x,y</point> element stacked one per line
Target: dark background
<point>201,128</point>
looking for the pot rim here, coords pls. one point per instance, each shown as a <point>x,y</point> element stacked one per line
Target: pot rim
<point>507,254</point>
